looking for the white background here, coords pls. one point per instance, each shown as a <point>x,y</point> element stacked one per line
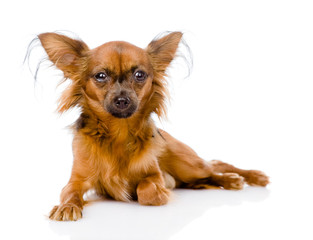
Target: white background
<point>248,101</point>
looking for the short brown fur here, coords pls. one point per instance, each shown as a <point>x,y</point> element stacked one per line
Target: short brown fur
<point>118,151</point>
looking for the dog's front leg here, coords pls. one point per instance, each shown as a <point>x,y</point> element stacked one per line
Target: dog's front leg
<point>151,190</point>
<point>71,203</point>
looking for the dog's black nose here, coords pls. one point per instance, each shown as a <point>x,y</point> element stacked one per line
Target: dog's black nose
<point>122,102</point>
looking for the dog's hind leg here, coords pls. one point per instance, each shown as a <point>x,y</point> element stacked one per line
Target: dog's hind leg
<point>191,171</point>
<point>251,177</point>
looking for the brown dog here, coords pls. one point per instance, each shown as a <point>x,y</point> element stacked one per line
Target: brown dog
<point>118,151</point>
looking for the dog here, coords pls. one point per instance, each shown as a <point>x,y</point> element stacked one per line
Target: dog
<point>118,150</point>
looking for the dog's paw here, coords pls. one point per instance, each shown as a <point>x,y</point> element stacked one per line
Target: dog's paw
<point>256,178</point>
<point>232,181</point>
<point>152,194</point>
<point>66,212</point>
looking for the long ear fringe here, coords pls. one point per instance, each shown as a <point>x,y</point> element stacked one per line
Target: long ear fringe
<point>183,52</point>
<point>160,95</point>
<point>71,96</point>
<point>32,46</point>
<point>160,82</point>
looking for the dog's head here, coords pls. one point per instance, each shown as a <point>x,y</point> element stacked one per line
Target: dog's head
<point>117,78</point>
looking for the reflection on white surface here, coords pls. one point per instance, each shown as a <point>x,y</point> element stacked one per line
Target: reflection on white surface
<point>110,219</point>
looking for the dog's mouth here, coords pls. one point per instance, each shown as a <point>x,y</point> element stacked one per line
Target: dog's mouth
<point>121,114</point>
<point>122,107</point>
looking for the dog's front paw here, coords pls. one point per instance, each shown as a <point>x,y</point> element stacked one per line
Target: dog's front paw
<point>256,178</point>
<point>66,212</point>
<point>152,194</point>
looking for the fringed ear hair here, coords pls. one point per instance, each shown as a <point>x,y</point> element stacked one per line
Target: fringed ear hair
<point>162,51</point>
<point>70,56</point>
<point>64,52</point>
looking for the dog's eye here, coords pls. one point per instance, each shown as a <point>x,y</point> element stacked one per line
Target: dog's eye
<point>101,77</point>
<point>140,76</point>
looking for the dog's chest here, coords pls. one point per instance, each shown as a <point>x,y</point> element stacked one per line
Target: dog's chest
<point>118,187</point>
<point>121,171</point>
<point>119,184</point>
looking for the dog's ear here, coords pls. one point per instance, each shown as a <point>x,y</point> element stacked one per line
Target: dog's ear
<point>162,51</point>
<point>64,52</point>
<point>69,55</point>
